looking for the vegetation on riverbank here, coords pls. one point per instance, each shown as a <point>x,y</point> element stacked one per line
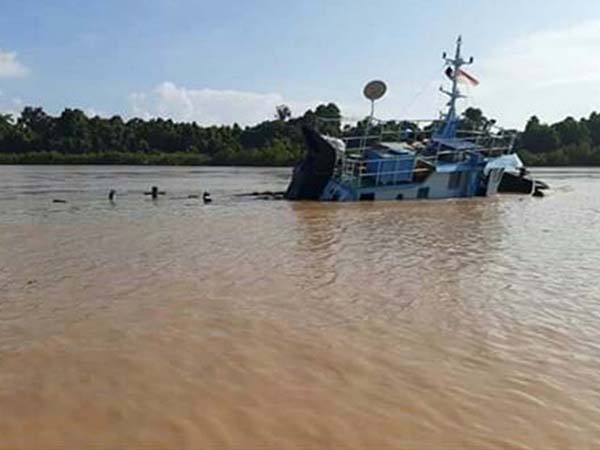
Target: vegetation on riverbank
<point>73,138</point>
<point>567,143</point>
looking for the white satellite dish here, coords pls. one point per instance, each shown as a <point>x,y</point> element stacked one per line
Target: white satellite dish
<point>374,90</point>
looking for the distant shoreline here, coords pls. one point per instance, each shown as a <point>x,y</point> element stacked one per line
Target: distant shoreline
<point>183,164</point>
<point>181,159</point>
<point>73,138</point>
<point>127,159</point>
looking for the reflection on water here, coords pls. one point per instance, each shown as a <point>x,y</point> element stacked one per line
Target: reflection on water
<point>255,324</point>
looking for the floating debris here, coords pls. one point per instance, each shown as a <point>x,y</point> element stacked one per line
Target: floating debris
<point>58,200</point>
<point>154,192</point>
<point>265,195</point>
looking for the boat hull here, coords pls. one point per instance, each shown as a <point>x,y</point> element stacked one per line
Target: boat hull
<point>516,184</point>
<point>438,185</point>
<point>313,173</point>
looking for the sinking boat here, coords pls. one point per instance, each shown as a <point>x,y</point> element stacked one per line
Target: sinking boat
<point>520,181</point>
<point>402,160</point>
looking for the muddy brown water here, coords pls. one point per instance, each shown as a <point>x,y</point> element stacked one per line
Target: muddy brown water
<point>266,324</point>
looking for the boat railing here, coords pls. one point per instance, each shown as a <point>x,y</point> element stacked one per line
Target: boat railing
<point>490,144</point>
<point>359,172</point>
<point>379,128</point>
<point>356,171</point>
<point>497,140</point>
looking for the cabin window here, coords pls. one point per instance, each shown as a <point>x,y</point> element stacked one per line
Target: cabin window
<point>400,197</point>
<point>367,196</point>
<point>423,192</point>
<point>455,180</point>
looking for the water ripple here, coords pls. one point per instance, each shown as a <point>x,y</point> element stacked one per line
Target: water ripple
<point>442,324</point>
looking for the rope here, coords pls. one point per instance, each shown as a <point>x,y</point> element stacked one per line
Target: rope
<point>434,77</point>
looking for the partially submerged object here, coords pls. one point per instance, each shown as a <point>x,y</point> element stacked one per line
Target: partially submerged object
<point>410,159</point>
<point>520,181</point>
<point>154,192</point>
<point>264,195</point>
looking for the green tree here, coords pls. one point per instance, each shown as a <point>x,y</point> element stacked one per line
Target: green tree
<point>283,112</point>
<point>571,132</point>
<point>539,138</point>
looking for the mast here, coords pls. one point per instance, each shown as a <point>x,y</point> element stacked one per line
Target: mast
<point>454,64</point>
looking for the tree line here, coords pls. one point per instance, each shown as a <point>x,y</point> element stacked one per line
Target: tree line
<point>73,138</point>
<point>35,137</point>
<point>569,142</point>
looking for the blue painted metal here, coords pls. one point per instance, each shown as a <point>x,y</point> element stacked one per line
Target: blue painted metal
<point>389,166</point>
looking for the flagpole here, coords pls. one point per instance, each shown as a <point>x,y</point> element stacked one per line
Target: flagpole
<point>455,64</point>
<point>455,93</point>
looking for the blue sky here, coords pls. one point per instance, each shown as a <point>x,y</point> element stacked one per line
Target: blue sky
<point>225,61</point>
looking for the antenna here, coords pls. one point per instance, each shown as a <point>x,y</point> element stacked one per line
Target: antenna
<point>454,64</point>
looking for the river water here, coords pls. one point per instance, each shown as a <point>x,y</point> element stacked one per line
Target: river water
<point>265,324</point>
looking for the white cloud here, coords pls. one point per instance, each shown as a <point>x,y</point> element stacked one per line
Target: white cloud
<point>210,106</point>
<point>10,66</point>
<point>549,73</point>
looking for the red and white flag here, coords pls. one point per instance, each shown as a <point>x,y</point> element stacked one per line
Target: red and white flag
<point>462,76</point>
<point>466,78</point>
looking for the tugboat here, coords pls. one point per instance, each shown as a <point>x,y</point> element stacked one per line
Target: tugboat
<point>431,159</point>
